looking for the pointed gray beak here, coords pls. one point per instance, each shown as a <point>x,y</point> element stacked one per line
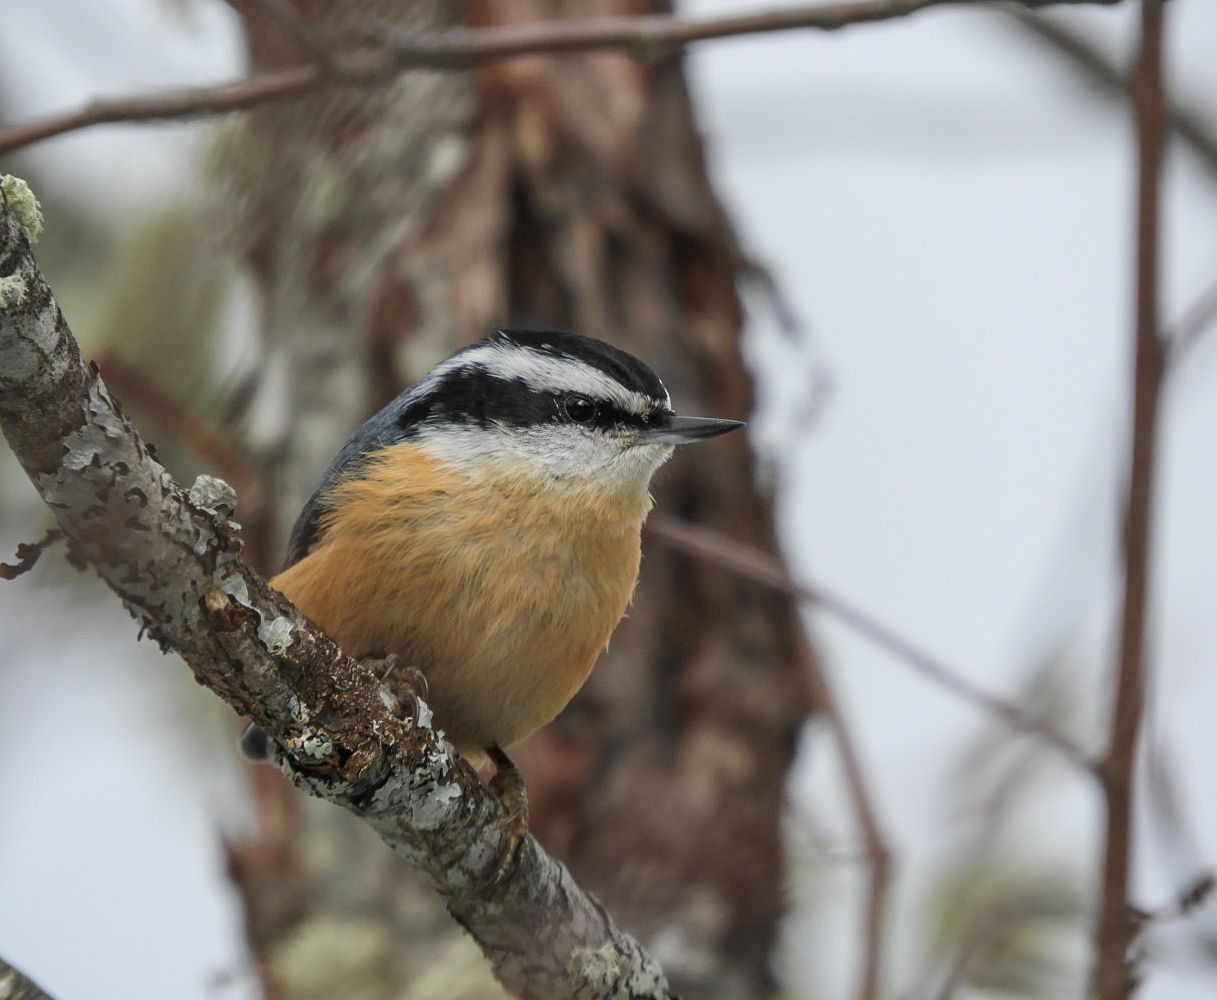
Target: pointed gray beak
<point>682,430</point>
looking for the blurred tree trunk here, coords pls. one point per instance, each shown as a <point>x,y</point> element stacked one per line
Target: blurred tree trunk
<point>388,227</point>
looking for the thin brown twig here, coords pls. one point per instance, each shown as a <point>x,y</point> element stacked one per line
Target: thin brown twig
<point>191,102</point>
<point>1190,122</point>
<point>760,567</point>
<point>875,848</point>
<point>1191,897</point>
<point>463,48</point>
<point>1115,972</point>
<point>1198,318</point>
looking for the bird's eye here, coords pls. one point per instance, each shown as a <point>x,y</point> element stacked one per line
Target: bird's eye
<point>579,409</point>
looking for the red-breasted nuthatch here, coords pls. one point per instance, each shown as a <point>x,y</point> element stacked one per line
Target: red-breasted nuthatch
<point>484,527</point>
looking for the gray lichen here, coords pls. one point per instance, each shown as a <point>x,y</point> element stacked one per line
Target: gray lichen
<point>276,635</point>
<point>24,206</point>
<point>12,291</point>
<point>213,494</point>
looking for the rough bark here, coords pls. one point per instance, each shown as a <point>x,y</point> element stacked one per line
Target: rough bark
<point>390,227</point>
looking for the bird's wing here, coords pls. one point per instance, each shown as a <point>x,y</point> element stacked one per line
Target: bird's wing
<point>397,422</point>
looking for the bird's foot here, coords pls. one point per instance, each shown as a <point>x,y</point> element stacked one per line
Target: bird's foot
<point>405,681</point>
<point>508,786</point>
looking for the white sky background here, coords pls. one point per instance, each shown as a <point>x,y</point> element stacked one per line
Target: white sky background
<point>950,216</point>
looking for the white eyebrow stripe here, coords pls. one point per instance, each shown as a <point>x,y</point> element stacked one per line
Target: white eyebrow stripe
<point>545,373</point>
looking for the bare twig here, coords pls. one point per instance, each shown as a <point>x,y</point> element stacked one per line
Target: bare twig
<point>192,102</point>
<point>1198,318</point>
<point>1191,123</point>
<point>1189,899</point>
<point>757,565</point>
<point>463,48</point>
<point>1115,974</point>
<point>28,554</point>
<point>877,854</point>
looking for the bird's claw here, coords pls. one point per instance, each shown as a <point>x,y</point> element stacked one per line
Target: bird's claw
<point>508,786</point>
<point>406,682</point>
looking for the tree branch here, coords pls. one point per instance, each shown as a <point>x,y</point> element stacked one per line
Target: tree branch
<point>1115,974</point>
<point>16,986</point>
<point>1191,326</point>
<point>464,48</point>
<point>878,855</point>
<point>759,566</point>
<point>192,102</point>
<point>1189,122</point>
<point>174,558</point>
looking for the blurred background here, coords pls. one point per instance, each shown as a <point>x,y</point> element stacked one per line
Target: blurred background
<point>944,203</point>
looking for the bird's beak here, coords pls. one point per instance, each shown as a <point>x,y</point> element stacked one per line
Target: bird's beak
<point>682,430</point>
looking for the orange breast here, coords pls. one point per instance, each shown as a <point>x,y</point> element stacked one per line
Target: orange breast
<point>502,589</point>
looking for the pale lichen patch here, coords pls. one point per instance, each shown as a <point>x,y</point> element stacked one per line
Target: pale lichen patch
<point>12,291</point>
<point>599,966</point>
<point>276,635</point>
<point>213,494</point>
<point>423,793</point>
<point>425,717</point>
<point>387,698</point>
<point>24,206</point>
<point>312,745</point>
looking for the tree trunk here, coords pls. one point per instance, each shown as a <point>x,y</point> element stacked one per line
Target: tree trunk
<point>387,228</point>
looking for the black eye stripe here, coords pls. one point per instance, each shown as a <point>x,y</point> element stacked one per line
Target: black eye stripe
<point>472,395</point>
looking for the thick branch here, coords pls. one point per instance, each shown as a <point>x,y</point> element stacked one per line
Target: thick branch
<point>174,560</point>
<point>466,47</point>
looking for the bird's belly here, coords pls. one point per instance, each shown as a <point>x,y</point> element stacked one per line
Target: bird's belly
<point>505,625</point>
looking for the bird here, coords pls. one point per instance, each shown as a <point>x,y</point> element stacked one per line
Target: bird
<point>484,530</point>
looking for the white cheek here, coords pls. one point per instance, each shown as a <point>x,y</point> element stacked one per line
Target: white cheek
<point>568,452</point>
<point>641,461</point>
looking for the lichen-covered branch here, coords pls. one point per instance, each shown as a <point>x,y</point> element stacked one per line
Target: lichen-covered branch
<point>16,986</point>
<point>174,558</point>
